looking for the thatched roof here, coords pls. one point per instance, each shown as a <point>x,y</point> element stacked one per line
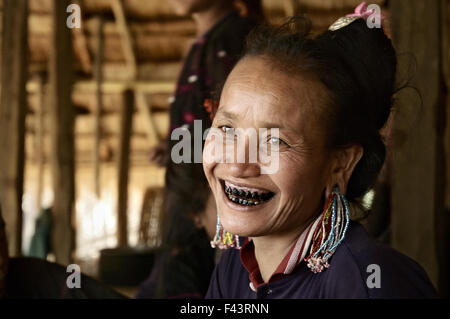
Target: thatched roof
<point>159,40</point>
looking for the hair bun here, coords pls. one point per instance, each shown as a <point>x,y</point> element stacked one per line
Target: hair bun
<point>369,57</point>
<point>357,66</point>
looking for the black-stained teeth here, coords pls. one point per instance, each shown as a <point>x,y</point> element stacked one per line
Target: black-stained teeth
<point>245,197</point>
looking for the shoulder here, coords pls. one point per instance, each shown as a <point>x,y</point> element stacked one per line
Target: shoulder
<point>229,263</point>
<point>376,270</point>
<point>229,279</point>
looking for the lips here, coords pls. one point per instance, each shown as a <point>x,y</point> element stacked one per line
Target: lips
<point>246,196</point>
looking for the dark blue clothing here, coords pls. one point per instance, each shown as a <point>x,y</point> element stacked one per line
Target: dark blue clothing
<point>180,275</point>
<point>400,276</point>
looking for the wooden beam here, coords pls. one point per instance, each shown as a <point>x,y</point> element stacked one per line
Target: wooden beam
<point>85,125</point>
<point>80,44</point>
<point>39,145</point>
<point>62,135</point>
<point>123,166</point>
<point>416,171</point>
<point>184,26</point>
<point>148,72</point>
<point>127,41</point>
<point>290,7</point>
<point>147,119</point>
<point>12,118</point>
<point>148,87</point>
<point>443,221</point>
<point>130,56</point>
<point>445,36</point>
<point>98,109</point>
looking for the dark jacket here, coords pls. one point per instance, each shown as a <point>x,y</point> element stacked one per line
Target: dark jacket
<point>181,274</point>
<point>351,275</point>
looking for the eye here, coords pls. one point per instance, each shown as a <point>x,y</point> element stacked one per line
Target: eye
<point>276,141</point>
<point>227,130</point>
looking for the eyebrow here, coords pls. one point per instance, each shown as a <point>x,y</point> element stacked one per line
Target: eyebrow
<point>271,125</point>
<point>226,114</point>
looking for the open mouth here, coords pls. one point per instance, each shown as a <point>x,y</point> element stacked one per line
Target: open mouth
<point>245,196</point>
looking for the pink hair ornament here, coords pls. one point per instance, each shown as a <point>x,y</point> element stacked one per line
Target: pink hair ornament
<point>370,13</point>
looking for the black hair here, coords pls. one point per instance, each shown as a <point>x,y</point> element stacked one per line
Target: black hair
<point>357,65</point>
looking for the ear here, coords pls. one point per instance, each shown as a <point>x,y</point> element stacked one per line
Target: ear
<point>344,161</point>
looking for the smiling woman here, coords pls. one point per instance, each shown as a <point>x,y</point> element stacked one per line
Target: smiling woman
<point>329,96</point>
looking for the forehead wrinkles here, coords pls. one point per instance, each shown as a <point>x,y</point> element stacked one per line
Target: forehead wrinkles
<point>257,76</point>
<point>246,94</point>
<point>251,90</point>
<point>251,106</point>
<point>260,89</point>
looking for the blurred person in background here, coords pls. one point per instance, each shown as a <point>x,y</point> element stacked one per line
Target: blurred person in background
<point>222,26</point>
<point>186,260</point>
<point>184,266</point>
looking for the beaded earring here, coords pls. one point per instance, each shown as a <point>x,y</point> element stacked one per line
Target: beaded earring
<point>224,239</point>
<point>331,231</point>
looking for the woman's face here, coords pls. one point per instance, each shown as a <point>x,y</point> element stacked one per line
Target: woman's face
<point>256,95</point>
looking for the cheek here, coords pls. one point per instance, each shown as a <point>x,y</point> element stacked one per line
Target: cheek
<point>210,223</point>
<point>300,175</point>
<point>207,158</point>
<point>208,164</point>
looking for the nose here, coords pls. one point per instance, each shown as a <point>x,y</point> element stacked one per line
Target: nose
<point>242,161</point>
<point>243,170</point>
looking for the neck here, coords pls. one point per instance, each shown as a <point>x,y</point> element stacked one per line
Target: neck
<point>270,250</point>
<point>205,20</point>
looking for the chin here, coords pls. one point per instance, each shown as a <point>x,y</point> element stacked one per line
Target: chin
<point>237,227</point>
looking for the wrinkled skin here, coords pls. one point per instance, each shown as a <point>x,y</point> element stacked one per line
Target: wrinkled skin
<point>258,95</point>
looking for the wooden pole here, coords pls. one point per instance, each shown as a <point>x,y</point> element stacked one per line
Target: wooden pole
<point>125,34</point>
<point>12,118</point>
<point>416,170</point>
<point>123,166</point>
<point>99,106</point>
<point>147,118</point>
<point>127,45</point>
<point>443,221</point>
<point>81,44</point>
<point>62,134</point>
<point>118,9</point>
<point>40,146</point>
